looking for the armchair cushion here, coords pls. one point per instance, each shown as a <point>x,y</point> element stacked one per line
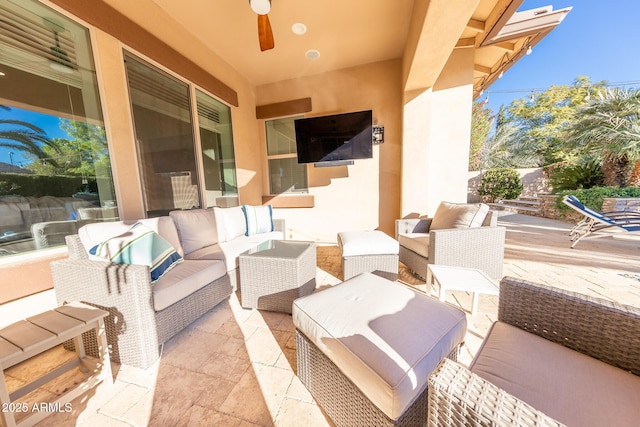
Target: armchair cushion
<point>140,245</point>
<point>459,215</point>
<point>196,228</point>
<point>538,371</point>
<point>416,242</point>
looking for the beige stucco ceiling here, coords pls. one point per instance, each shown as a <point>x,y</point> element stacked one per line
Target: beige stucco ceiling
<point>346,33</point>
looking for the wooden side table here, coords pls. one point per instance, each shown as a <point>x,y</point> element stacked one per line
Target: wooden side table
<point>27,338</point>
<point>460,279</point>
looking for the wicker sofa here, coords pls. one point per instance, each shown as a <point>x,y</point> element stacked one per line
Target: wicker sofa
<point>553,357</point>
<point>142,315</point>
<point>460,235</point>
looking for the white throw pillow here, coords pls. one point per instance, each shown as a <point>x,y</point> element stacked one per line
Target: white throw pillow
<point>459,215</point>
<point>259,219</point>
<point>196,228</point>
<point>230,223</point>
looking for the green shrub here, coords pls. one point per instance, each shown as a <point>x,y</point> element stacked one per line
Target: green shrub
<point>585,175</point>
<point>500,184</point>
<point>594,197</point>
<point>39,185</point>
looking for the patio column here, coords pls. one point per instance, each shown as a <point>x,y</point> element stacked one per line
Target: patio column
<point>437,129</point>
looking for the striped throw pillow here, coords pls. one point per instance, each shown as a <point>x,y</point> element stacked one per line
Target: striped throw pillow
<point>140,245</point>
<point>259,219</point>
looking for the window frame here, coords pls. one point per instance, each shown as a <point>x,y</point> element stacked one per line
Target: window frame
<point>290,155</point>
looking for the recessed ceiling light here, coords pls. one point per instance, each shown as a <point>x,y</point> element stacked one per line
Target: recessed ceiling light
<point>312,54</point>
<point>299,28</point>
<point>2,74</point>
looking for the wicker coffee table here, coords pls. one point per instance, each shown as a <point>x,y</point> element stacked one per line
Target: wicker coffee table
<point>275,273</point>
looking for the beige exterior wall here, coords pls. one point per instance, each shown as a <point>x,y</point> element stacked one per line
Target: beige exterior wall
<point>437,129</point>
<point>363,196</point>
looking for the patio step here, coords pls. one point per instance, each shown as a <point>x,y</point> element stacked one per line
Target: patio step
<point>527,205</point>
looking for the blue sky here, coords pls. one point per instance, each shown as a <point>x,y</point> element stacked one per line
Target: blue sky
<point>50,124</point>
<point>596,39</point>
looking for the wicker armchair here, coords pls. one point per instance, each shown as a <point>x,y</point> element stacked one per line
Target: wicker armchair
<point>598,328</point>
<point>134,329</point>
<point>478,247</point>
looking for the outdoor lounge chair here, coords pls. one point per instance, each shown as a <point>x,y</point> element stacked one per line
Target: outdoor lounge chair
<point>595,221</point>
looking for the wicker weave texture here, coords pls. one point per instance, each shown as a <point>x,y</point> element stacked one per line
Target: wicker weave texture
<point>134,329</point>
<point>602,329</point>
<point>480,247</point>
<point>457,397</point>
<point>382,265</point>
<point>272,283</point>
<point>342,400</point>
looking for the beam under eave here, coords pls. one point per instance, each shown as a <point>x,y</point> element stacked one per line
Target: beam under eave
<point>466,42</point>
<point>482,69</point>
<point>508,46</point>
<point>476,25</point>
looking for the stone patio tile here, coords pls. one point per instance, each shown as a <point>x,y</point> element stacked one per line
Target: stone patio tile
<point>246,401</point>
<point>292,411</point>
<point>230,368</point>
<point>123,401</point>
<point>200,416</point>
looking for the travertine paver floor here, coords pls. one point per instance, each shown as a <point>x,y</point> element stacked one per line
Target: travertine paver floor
<point>236,367</point>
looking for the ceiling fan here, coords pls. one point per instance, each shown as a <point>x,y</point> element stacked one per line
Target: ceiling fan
<point>265,35</point>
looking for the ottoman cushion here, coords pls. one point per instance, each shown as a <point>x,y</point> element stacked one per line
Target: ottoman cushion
<point>353,243</point>
<point>385,337</point>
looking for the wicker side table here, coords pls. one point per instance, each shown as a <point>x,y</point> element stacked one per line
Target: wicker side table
<point>275,273</point>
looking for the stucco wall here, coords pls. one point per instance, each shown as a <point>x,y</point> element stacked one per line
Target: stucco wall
<point>362,196</point>
<point>437,128</point>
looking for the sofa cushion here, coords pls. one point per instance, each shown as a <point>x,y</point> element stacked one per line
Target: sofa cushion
<point>459,215</point>
<point>258,219</point>
<point>230,223</point>
<point>139,245</point>
<point>566,385</point>
<point>184,280</point>
<point>196,228</point>
<point>416,242</point>
<point>385,337</point>
<point>95,233</point>
<point>229,251</point>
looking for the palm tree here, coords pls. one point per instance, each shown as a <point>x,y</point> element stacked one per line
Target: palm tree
<point>508,147</point>
<point>609,127</point>
<point>26,137</point>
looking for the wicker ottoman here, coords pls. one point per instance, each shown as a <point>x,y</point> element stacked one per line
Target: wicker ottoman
<point>365,349</point>
<point>368,251</point>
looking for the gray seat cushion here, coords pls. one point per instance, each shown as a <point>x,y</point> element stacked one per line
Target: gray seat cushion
<point>573,388</point>
<point>183,280</point>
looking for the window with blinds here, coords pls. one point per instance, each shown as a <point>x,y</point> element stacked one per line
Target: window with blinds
<point>55,166</point>
<point>285,174</point>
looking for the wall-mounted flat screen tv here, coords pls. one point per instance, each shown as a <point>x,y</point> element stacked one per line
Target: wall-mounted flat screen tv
<point>337,137</point>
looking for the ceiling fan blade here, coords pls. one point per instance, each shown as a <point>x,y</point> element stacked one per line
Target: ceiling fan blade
<point>265,35</point>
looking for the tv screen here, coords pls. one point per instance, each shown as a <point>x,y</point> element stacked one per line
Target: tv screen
<point>345,136</point>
